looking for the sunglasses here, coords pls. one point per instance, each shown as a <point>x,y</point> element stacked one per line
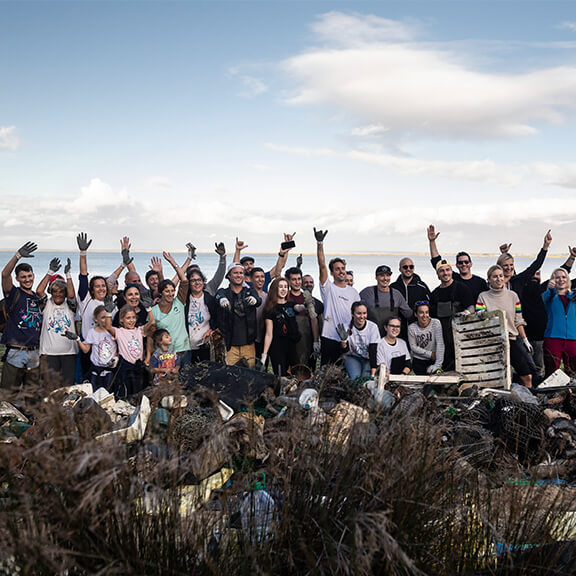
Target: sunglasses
<point>421,303</point>
<point>408,267</point>
<point>463,262</point>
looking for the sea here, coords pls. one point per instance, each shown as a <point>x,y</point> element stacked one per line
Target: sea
<point>362,265</point>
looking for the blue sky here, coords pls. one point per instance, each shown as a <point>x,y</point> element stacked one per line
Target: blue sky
<point>201,121</point>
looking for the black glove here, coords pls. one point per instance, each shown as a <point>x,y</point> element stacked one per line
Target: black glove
<point>83,242</point>
<point>299,261</point>
<point>68,267</point>
<point>220,248</point>
<point>54,266</point>
<point>26,250</point>
<point>146,300</point>
<point>126,260</point>
<point>70,335</point>
<point>109,305</point>
<point>320,235</point>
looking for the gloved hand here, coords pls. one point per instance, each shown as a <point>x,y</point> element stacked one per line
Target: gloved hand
<point>464,313</point>
<point>26,250</point>
<point>147,301</point>
<point>67,268</point>
<point>225,303</point>
<point>54,266</point>
<point>299,261</point>
<point>191,251</point>
<point>316,348</point>
<point>83,242</point>
<point>263,358</point>
<point>342,332</point>
<point>320,235</point>
<point>481,314</point>
<point>70,335</point>
<point>220,248</point>
<point>528,346</point>
<point>126,260</point>
<point>299,308</point>
<point>109,306</point>
<point>250,300</point>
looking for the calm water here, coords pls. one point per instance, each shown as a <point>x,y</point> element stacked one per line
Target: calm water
<point>363,266</point>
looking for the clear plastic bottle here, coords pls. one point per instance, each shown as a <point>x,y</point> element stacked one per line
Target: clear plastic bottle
<point>257,515</point>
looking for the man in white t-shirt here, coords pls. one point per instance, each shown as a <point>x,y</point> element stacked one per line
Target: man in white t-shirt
<point>338,298</point>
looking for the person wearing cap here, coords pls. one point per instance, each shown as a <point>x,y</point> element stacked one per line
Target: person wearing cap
<point>383,301</point>
<point>446,301</point>
<point>409,284</point>
<point>475,284</point>
<point>338,298</point>
<point>57,353</point>
<point>248,261</point>
<point>236,316</point>
<point>21,335</point>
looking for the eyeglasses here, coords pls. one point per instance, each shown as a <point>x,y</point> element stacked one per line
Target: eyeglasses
<point>421,303</point>
<point>463,262</point>
<point>408,267</point>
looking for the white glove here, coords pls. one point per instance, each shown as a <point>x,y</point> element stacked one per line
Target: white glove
<point>263,358</point>
<point>251,301</point>
<point>299,308</point>
<point>527,345</point>
<point>225,303</point>
<point>316,347</point>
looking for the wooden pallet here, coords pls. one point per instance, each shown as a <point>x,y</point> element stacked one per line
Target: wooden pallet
<point>482,349</point>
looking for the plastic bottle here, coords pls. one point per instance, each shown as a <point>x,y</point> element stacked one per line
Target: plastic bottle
<point>257,515</point>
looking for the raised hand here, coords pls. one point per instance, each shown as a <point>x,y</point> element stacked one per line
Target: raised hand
<point>125,251</point>
<point>191,251</point>
<point>83,242</point>
<point>572,251</point>
<point>109,305</point>
<point>320,235</point>
<point>240,244</point>
<point>342,332</point>
<point>504,248</point>
<point>432,234</point>
<point>547,240</point>
<point>26,250</point>
<point>68,267</point>
<point>54,266</point>
<point>156,264</point>
<point>146,300</point>
<point>299,261</point>
<point>220,248</point>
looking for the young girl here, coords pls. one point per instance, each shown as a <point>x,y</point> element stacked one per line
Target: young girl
<point>130,341</point>
<point>392,354</point>
<point>102,349</point>
<point>361,342</point>
<point>281,328</point>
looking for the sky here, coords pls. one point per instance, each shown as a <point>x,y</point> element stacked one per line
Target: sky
<point>178,121</point>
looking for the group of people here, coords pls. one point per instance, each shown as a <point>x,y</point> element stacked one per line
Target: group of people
<point>146,332</point>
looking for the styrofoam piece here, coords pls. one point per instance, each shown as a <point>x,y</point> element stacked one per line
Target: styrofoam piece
<point>225,411</point>
<point>494,391</point>
<point>8,410</point>
<point>102,396</point>
<point>170,402</point>
<point>137,424</point>
<point>556,379</point>
<point>84,390</point>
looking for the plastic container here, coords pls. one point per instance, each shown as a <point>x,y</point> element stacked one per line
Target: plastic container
<point>257,515</point>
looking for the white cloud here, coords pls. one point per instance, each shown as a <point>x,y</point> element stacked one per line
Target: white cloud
<point>251,86</point>
<point>484,171</point>
<point>568,26</point>
<point>377,72</point>
<point>8,138</point>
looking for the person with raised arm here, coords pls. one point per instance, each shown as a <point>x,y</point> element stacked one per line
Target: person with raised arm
<point>212,285</point>
<point>338,298</point>
<point>21,336</point>
<point>57,354</point>
<point>475,284</point>
<point>170,313</point>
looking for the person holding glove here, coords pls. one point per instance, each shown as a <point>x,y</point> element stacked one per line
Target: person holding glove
<point>236,316</point>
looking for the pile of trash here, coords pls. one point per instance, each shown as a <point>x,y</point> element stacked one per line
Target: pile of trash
<point>227,429</point>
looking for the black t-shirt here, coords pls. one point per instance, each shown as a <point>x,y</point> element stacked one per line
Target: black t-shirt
<point>284,322</point>
<point>24,318</point>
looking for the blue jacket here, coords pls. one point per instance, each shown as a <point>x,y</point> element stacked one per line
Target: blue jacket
<point>561,322</point>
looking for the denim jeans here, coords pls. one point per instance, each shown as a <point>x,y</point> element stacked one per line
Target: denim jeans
<point>356,366</point>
